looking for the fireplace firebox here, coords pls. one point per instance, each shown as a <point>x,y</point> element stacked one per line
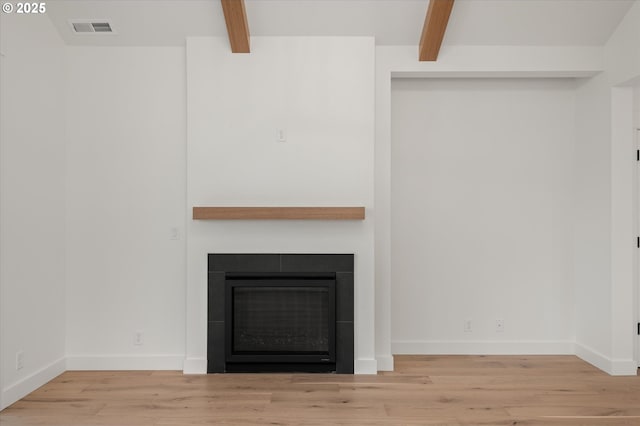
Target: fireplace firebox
<point>280,312</point>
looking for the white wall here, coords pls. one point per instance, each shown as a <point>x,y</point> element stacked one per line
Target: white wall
<point>481,183</point>
<point>622,59</point>
<point>606,257</point>
<point>592,220</point>
<point>126,182</point>
<point>462,62</point>
<point>455,61</point>
<point>622,55</point>
<point>124,121</point>
<point>32,207</point>
<point>321,92</point>
<point>602,268</point>
<point>636,218</point>
<point>636,97</point>
<point>636,103</point>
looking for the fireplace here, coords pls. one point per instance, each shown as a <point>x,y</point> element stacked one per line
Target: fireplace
<point>280,321</point>
<point>280,312</point>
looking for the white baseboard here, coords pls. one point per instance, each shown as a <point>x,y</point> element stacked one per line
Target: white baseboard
<point>482,347</point>
<point>614,367</point>
<point>385,363</point>
<point>365,366</point>
<point>25,386</point>
<point>624,367</point>
<point>195,366</point>
<point>593,357</point>
<point>125,362</point>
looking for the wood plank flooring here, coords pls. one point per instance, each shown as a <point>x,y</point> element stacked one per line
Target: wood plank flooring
<point>423,390</point>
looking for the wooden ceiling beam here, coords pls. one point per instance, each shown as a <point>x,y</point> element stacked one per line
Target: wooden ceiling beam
<point>235,16</point>
<point>435,25</point>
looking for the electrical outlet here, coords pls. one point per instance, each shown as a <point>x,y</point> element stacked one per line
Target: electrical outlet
<point>19,360</point>
<point>137,338</point>
<point>467,325</point>
<point>499,325</point>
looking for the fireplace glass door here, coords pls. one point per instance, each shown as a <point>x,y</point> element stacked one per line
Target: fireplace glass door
<point>280,318</point>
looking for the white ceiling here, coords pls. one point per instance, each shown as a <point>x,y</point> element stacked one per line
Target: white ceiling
<point>391,22</point>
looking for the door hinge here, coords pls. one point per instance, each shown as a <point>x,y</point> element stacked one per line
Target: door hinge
<point>639,329</point>
<point>637,154</point>
<point>638,242</point>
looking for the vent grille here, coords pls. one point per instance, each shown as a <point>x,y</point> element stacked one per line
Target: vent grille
<point>87,27</point>
<point>82,27</point>
<point>101,27</point>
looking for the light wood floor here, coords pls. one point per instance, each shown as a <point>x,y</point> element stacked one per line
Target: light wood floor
<point>424,390</point>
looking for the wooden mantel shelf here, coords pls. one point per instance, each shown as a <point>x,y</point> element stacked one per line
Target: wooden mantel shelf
<point>278,213</point>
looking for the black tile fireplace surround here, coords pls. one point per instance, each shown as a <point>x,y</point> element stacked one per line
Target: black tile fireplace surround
<point>319,285</point>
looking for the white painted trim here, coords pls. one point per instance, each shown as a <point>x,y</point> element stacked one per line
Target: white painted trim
<point>614,367</point>
<point>494,61</point>
<point>365,366</point>
<point>494,74</point>
<point>636,215</point>
<point>623,367</point>
<point>125,362</point>
<point>489,347</point>
<point>382,207</point>
<point>385,363</point>
<point>623,256</point>
<point>195,366</point>
<point>593,357</point>
<point>25,386</point>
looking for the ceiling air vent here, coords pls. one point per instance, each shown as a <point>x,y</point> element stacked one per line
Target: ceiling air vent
<point>101,27</point>
<point>88,27</point>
